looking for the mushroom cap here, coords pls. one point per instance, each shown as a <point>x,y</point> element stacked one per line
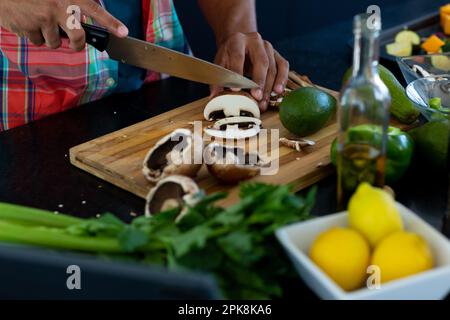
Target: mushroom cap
<point>235,128</point>
<point>232,173</point>
<point>231,164</point>
<point>171,192</point>
<point>171,155</point>
<point>232,104</point>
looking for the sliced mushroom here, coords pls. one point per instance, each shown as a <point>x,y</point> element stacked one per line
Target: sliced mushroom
<point>170,193</point>
<point>232,164</point>
<point>231,104</point>
<point>296,144</point>
<point>235,128</point>
<point>172,155</point>
<point>277,99</point>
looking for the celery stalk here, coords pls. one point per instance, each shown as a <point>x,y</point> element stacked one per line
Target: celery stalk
<point>12,212</point>
<point>46,237</point>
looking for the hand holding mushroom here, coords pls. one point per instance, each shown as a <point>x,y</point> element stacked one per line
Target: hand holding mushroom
<point>266,66</point>
<point>242,49</point>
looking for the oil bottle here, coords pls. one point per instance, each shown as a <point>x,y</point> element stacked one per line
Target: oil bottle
<point>364,107</point>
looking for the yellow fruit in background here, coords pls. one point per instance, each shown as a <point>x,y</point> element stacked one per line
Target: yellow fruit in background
<point>402,254</point>
<point>344,255</point>
<point>372,211</point>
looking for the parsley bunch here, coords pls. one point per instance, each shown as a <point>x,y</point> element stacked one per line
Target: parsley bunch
<point>235,244</point>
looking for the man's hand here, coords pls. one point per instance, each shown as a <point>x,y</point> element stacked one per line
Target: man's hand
<point>241,48</point>
<point>39,20</point>
<point>248,53</point>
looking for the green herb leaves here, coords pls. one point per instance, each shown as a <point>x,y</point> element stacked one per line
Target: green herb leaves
<point>235,244</point>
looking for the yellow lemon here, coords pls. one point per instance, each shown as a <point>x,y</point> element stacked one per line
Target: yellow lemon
<point>344,255</point>
<point>402,254</point>
<point>372,211</point>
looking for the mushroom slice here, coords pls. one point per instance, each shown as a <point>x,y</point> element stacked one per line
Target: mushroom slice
<point>170,193</point>
<point>276,99</point>
<point>231,104</point>
<point>232,164</point>
<point>296,144</point>
<point>172,155</point>
<point>235,128</point>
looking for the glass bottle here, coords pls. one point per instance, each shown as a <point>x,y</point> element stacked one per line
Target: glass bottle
<point>363,115</point>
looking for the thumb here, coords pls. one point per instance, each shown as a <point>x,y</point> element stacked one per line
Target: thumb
<point>215,90</point>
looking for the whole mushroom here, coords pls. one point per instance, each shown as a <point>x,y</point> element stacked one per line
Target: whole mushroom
<point>172,155</point>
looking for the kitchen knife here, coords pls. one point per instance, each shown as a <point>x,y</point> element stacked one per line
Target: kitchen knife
<point>149,56</point>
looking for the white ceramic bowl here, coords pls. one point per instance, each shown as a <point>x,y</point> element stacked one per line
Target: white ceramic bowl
<point>432,284</point>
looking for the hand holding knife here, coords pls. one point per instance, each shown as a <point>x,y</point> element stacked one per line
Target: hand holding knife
<point>149,56</point>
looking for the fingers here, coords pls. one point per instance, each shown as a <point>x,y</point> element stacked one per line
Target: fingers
<point>251,53</point>
<point>270,79</point>
<point>35,37</point>
<point>50,32</point>
<point>77,38</point>
<point>260,66</point>
<point>105,19</point>
<point>282,73</point>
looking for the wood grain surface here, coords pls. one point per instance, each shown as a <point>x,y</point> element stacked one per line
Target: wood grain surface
<point>118,157</point>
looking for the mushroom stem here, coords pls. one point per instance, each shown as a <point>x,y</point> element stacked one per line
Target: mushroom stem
<point>276,99</point>
<point>296,144</point>
<point>235,128</point>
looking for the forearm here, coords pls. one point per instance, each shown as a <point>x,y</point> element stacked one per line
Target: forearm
<point>227,17</point>
<point>240,48</point>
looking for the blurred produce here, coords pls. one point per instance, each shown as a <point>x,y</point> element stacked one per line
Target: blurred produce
<point>235,244</point>
<point>373,212</point>
<point>399,149</point>
<point>344,255</point>
<point>401,107</point>
<point>431,143</point>
<point>402,254</point>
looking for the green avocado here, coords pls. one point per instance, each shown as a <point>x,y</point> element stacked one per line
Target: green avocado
<point>306,110</point>
<point>401,107</point>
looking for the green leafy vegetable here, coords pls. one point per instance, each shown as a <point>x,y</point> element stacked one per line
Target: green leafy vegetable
<point>235,244</point>
<point>435,103</point>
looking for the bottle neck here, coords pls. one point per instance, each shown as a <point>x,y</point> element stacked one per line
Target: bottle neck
<point>365,54</point>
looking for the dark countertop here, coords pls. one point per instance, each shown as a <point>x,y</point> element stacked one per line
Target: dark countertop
<point>35,169</point>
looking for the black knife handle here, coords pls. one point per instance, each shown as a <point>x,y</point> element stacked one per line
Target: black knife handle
<point>95,36</point>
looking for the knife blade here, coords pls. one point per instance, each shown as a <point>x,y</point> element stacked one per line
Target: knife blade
<point>150,56</point>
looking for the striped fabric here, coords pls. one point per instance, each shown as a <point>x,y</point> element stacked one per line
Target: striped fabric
<point>38,81</point>
<point>165,28</point>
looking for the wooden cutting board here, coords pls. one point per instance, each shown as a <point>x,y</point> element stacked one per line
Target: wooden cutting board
<point>118,156</point>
